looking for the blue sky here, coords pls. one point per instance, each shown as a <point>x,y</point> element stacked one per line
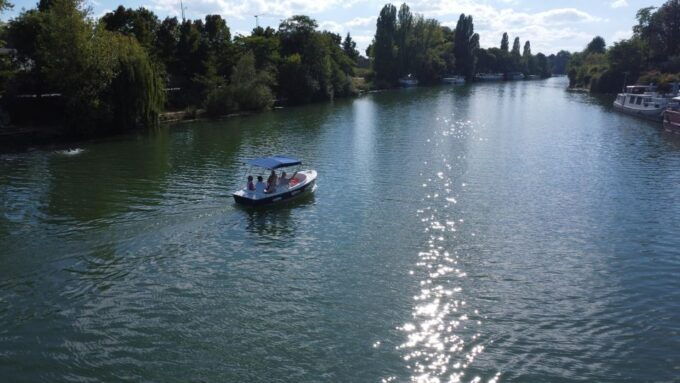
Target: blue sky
<point>550,25</point>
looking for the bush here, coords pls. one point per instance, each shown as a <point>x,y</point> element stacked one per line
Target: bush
<point>220,101</point>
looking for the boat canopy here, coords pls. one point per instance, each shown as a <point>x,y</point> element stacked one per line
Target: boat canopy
<point>274,162</point>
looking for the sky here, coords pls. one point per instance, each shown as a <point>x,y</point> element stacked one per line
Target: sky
<point>550,25</point>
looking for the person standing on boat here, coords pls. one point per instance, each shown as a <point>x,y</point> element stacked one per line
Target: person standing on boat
<point>259,186</point>
<point>271,183</point>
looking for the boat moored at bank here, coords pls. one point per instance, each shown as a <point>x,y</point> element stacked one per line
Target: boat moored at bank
<point>644,101</point>
<point>455,80</point>
<point>489,76</point>
<point>301,183</point>
<point>408,81</point>
<point>671,116</point>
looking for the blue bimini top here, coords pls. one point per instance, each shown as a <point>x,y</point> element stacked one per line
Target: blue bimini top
<point>274,162</point>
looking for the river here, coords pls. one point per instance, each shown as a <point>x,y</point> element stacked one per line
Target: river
<point>500,232</point>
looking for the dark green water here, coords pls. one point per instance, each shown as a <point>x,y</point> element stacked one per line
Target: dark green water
<point>501,232</point>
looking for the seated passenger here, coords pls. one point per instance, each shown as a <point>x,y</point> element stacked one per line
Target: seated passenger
<point>251,185</point>
<point>259,186</point>
<point>271,183</point>
<point>283,181</point>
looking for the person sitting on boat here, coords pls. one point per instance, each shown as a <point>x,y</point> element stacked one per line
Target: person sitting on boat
<point>271,183</point>
<point>283,180</point>
<point>251,185</point>
<point>259,186</point>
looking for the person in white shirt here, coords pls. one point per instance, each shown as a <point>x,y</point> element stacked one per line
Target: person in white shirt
<point>260,186</point>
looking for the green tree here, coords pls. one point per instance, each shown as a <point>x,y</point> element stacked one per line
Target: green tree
<point>251,88</point>
<point>465,44</point>
<point>384,54</point>
<point>350,48</point>
<point>404,44</point>
<point>141,23</point>
<point>542,65</point>
<point>596,45</point>
<point>505,42</point>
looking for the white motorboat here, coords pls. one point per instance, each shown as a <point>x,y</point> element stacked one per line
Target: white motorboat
<point>456,80</point>
<point>489,76</point>
<point>643,101</point>
<point>408,80</point>
<point>302,182</point>
<point>516,76</point>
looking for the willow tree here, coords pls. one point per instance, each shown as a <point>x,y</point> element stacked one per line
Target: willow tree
<point>137,91</point>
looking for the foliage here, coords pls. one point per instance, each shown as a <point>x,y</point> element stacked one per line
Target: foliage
<point>652,54</point>
<point>106,81</point>
<point>465,44</point>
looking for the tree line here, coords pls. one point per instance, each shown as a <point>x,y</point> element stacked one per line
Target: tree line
<point>651,55</point>
<point>407,43</point>
<point>120,71</point>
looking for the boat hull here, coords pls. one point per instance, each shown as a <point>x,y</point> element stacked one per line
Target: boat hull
<point>671,121</point>
<point>650,114</point>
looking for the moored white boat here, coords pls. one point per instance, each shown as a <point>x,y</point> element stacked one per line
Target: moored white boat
<point>671,116</point>
<point>489,76</point>
<point>408,80</point>
<point>301,183</point>
<point>516,76</point>
<point>457,80</point>
<point>643,101</point>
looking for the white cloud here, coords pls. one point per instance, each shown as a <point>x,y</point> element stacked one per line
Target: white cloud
<point>621,35</point>
<point>242,9</point>
<point>332,26</point>
<point>548,31</point>
<point>619,4</point>
<point>361,22</point>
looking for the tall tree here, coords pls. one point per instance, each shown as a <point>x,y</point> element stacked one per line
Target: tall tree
<point>505,42</point>
<point>464,46</point>
<point>349,46</point>
<point>404,40</point>
<point>515,57</point>
<point>383,45</point>
<point>515,47</point>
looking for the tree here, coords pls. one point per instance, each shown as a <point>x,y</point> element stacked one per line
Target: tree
<point>403,41</point>
<point>251,87</point>
<point>528,62</point>
<point>660,30</point>
<point>350,48</point>
<point>515,58</point>
<point>383,46</point>
<point>542,66</point>
<point>505,42</point>
<point>141,23</point>
<point>465,43</point>
<point>596,45</point>
<point>558,63</point>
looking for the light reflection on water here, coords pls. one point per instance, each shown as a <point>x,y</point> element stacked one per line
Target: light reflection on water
<point>444,335</point>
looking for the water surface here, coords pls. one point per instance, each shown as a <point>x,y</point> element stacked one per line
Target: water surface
<point>509,232</point>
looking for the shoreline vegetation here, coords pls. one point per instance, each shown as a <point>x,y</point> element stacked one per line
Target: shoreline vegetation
<point>131,71</point>
<point>651,55</point>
